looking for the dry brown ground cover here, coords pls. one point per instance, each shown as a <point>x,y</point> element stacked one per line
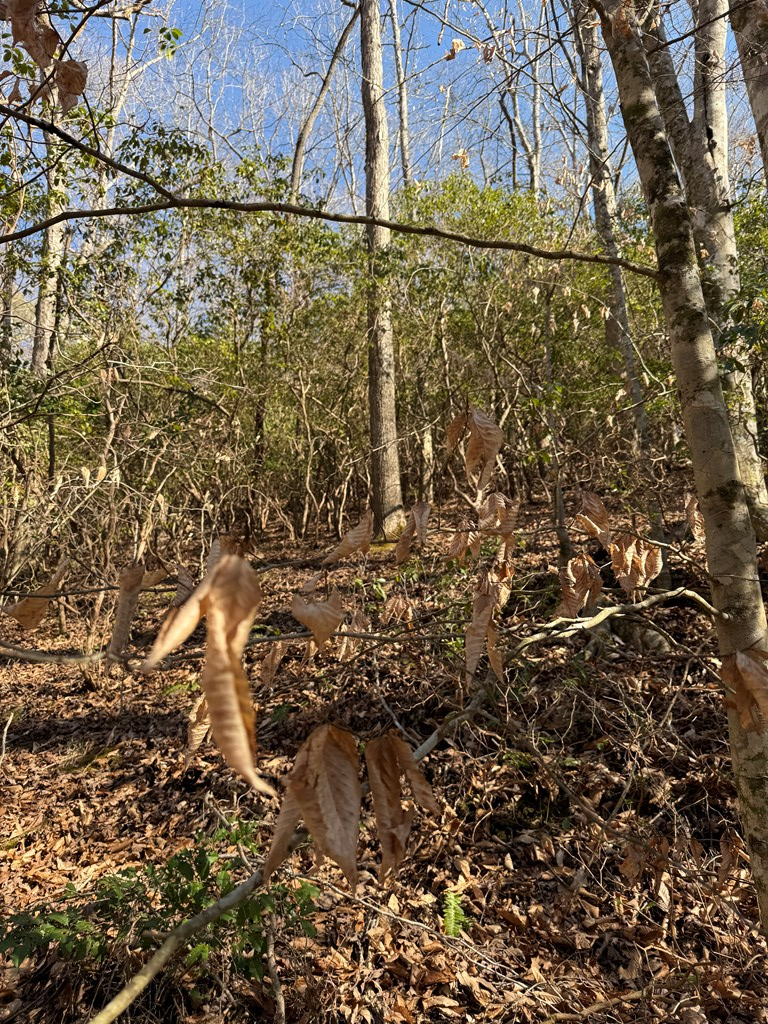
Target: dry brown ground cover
<point>588,828</point>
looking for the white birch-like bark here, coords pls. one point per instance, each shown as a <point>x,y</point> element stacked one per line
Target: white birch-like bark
<point>749,22</point>
<point>700,148</point>
<point>730,539</point>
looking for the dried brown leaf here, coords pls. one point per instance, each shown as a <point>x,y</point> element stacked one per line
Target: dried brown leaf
<point>31,27</point>
<point>454,432</point>
<point>594,518</point>
<point>29,612</point>
<point>581,584</point>
<point>458,546</point>
<point>322,618</point>
<point>198,726</point>
<point>694,518</point>
<point>420,513</point>
<point>397,608</point>
<point>745,672</point>
<point>393,821</point>
<point>403,547</point>
<point>474,638</point>
<point>224,544</point>
<point>127,602</point>
<point>71,77</point>
<point>357,539</point>
<point>349,645</point>
<point>485,441</point>
<point>229,597</point>
<point>271,662</point>
<point>153,578</point>
<point>287,820</point>
<point>636,562</point>
<point>324,789</point>
<point>495,656</point>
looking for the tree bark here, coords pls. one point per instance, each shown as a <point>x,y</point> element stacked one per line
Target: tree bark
<point>50,268</point>
<point>730,539</point>
<point>749,22</point>
<point>402,96</point>
<point>386,497</point>
<point>700,148</point>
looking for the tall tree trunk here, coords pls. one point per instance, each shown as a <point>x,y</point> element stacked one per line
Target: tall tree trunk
<point>730,539</point>
<point>297,167</point>
<point>51,261</point>
<point>387,496</point>
<point>617,330</point>
<point>402,96</point>
<point>749,22</point>
<point>700,149</point>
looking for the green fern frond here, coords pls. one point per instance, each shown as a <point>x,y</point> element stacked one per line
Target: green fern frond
<point>453,915</point>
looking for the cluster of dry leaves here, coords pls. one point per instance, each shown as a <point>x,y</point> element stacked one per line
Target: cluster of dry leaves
<point>31,28</point>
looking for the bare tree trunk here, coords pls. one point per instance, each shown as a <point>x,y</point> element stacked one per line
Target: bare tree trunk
<point>700,149</point>
<point>297,168</point>
<point>49,276</point>
<point>387,496</point>
<point>730,539</point>
<point>617,330</point>
<point>402,95</point>
<point>6,311</point>
<point>750,27</point>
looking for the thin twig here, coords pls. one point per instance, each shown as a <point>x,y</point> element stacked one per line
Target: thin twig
<point>274,977</point>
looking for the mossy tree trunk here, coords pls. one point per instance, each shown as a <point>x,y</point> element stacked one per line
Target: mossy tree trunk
<point>730,538</point>
<point>700,147</point>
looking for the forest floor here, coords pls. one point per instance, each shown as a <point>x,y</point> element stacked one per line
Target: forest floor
<point>587,863</point>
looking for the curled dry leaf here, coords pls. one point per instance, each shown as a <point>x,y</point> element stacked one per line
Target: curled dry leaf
<point>455,431</point>
<point>477,630</point>
<point>745,672</point>
<point>416,526</point>
<point>357,539</point>
<point>462,541</point>
<point>272,661</point>
<point>127,602</point>
<point>581,584</point>
<point>348,646</point>
<point>485,441</point>
<point>198,726</point>
<point>71,77</point>
<point>30,27</point>
<point>694,518</point>
<point>594,518</point>
<point>224,544</point>
<point>388,758</point>
<point>229,597</point>
<point>636,562</point>
<point>322,618</point>
<point>29,612</point>
<point>397,608</point>
<point>323,788</point>
<point>457,45</point>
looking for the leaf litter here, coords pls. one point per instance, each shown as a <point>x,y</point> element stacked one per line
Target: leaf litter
<point>650,915</point>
